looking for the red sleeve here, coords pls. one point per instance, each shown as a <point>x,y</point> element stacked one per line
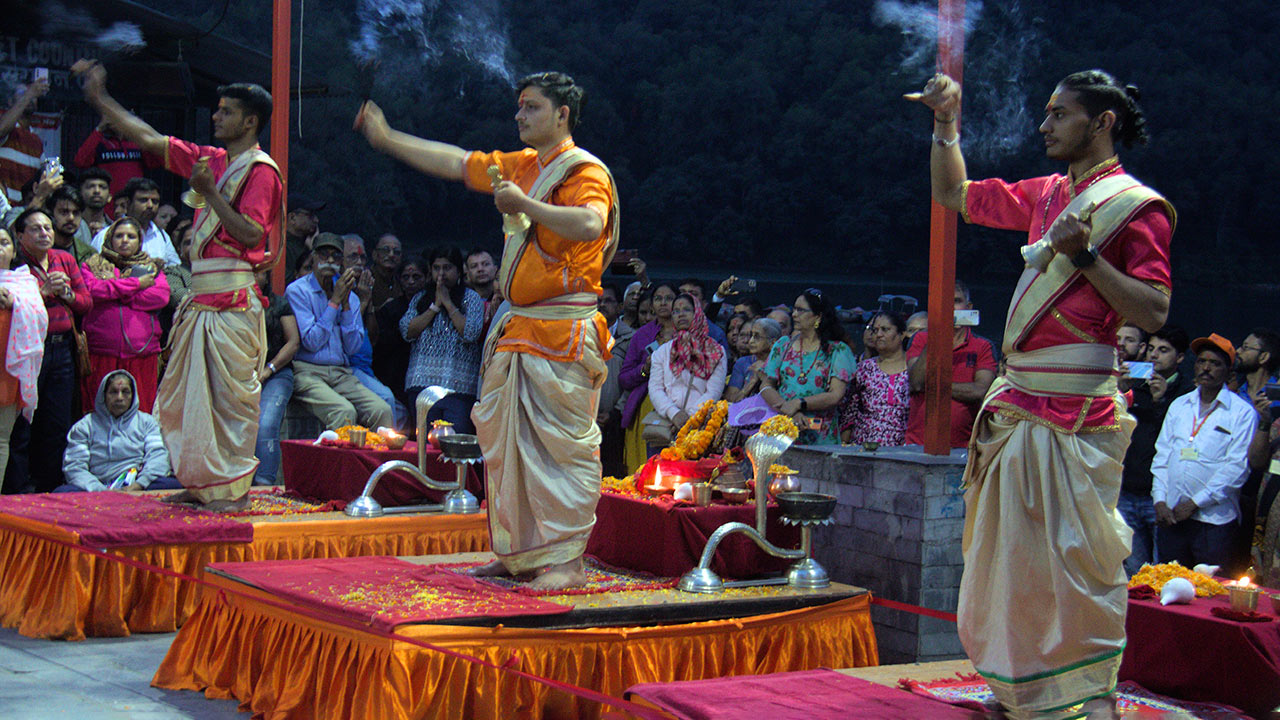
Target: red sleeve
<point>1142,248</point>
<point>180,156</point>
<point>88,150</point>
<point>998,204</point>
<point>986,356</point>
<point>83,301</point>
<point>917,344</point>
<point>260,196</point>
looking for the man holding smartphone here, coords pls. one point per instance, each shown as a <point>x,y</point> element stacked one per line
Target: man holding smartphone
<point>20,148</point>
<point>1166,348</point>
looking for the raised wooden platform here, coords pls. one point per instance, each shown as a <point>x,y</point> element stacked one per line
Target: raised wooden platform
<point>641,607</point>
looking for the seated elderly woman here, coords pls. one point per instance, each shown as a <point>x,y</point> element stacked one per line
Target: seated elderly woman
<point>748,372</point>
<point>687,371</point>
<point>808,372</point>
<point>876,405</point>
<point>116,438</point>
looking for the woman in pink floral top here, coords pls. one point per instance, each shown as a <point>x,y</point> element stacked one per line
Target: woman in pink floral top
<point>875,407</point>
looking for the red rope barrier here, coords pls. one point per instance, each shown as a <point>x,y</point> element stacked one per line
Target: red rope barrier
<point>915,609</point>
<point>337,619</point>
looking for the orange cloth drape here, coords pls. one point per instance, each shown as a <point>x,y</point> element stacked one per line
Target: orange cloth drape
<point>282,665</point>
<point>51,591</point>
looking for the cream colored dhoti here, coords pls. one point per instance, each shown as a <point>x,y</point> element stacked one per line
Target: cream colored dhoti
<point>1043,595</point>
<point>208,401</point>
<point>536,421</point>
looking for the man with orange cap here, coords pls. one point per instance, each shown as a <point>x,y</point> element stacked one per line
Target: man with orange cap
<point>1202,461</point>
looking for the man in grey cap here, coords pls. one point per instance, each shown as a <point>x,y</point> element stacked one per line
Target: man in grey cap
<point>301,225</point>
<point>328,315</point>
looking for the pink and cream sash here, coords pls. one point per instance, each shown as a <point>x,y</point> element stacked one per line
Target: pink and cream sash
<point>1115,200</point>
<point>208,222</point>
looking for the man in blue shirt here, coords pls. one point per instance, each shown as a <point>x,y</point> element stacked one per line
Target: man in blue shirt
<point>328,314</point>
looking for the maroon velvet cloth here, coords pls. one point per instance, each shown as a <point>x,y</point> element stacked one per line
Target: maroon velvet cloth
<point>117,519</point>
<point>1186,652</point>
<point>385,592</point>
<point>806,695</point>
<point>666,539</point>
<point>319,472</point>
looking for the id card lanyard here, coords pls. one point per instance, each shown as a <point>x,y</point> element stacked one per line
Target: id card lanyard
<point>1190,452</point>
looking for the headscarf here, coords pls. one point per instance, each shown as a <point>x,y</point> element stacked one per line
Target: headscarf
<point>694,349</point>
<point>109,264</point>
<point>30,322</point>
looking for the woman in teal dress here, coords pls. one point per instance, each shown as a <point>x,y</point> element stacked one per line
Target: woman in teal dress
<point>807,372</point>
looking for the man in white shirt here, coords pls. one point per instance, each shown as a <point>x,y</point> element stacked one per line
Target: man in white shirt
<point>1201,462</point>
<point>144,203</point>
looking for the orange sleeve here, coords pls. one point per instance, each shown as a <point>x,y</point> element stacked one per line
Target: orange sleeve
<point>588,187</point>
<point>475,167</point>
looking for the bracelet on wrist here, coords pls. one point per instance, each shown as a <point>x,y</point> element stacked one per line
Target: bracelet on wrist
<point>944,121</point>
<point>944,143</point>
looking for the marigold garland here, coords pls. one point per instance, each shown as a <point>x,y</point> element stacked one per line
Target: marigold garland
<point>1156,576</point>
<point>693,440</point>
<point>371,438</point>
<point>780,425</point>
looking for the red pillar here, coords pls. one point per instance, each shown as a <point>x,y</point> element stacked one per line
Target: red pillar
<point>942,259</point>
<point>281,32</point>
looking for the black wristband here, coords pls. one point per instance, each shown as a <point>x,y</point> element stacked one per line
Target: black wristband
<point>1085,258</point>
<point>804,405</point>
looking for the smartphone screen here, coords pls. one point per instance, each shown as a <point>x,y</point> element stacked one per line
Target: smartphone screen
<point>1139,370</point>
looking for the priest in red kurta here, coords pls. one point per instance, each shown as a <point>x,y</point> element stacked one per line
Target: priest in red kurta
<point>544,361</point>
<point>1043,595</point>
<point>208,401</point>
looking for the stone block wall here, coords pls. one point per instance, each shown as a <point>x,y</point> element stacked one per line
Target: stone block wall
<point>897,532</point>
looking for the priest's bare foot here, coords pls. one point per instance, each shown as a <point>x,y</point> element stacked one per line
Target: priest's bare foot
<point>493,568</point>
<point>182,497</point>
<point>227,506</point>
<point>559,577</point>
<point>1103,708</point>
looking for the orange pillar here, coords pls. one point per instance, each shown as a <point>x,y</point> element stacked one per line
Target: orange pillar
<point>942,259</point>
<point>281,31</point>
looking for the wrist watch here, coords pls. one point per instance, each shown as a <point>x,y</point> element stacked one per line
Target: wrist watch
<point>272,367</point>
<point>1085,257</point>
<point>804,405</point>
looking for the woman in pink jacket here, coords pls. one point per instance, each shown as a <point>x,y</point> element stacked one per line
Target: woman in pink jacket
<point>123,328</point>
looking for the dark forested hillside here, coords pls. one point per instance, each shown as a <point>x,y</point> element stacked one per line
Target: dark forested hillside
<point>773,134</point>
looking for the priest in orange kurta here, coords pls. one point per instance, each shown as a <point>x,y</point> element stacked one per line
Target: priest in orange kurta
<point>544,360</point>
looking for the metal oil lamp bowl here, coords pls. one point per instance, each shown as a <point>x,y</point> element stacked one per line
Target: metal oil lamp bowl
<point>805,509</point>
<point>462,450</point>
<point>1243,598</point>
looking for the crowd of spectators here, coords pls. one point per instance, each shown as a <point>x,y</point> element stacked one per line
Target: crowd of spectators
<point>95,264</point>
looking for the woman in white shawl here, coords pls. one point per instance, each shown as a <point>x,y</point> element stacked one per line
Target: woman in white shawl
<point>23,322</point>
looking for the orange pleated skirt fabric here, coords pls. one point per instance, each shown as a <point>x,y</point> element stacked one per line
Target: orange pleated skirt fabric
<point>51,591</point>
<point>285,665</point>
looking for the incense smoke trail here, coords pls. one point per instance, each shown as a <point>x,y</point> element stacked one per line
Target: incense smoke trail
<point>76,23</point>
<point>434,30</point>
<point>1004,48</point>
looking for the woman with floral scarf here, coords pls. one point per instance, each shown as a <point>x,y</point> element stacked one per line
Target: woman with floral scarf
<point>123,328</point>
<point>688,370</point>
